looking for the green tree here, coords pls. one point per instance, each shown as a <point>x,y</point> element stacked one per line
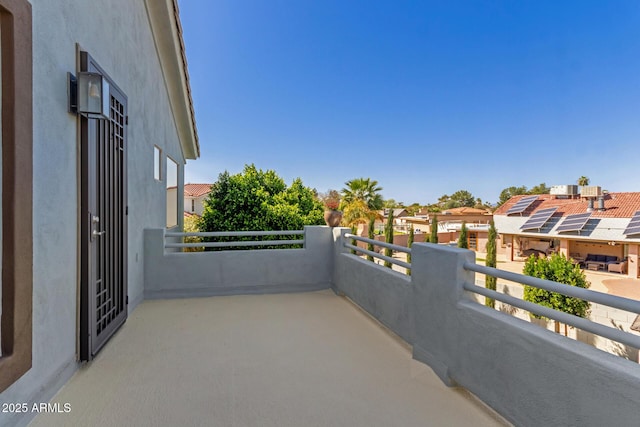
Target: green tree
<point>433,237</point>
<point>409,244</point>
<point>388,234</point>
<point>462,238</point>
<point>490,281</point>
<point>540,189</point>
<point>583,180</point>
<point>370,246</point>
<point>461,199</point>
<point>509,192</point>
<point>361,200</point>
<point>191,226</point>
<point>259,200</point>
<point>559,269</point>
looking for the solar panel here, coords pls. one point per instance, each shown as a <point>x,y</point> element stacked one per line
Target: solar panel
<point>538,219</point>
<point>574,222</point>
<point>634,225</point>
<point>522,205</point>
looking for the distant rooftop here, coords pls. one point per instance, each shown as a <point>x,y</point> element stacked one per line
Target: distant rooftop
<point>617,205</point>
<point>196,190</point>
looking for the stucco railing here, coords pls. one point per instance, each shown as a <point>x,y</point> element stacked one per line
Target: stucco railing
<point>350,237</point>
<point>572,291</point>
<point>234,243</point>
<point>530,375</point>
<point>169,272</point>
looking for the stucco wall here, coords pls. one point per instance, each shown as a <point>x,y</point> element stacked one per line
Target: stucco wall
<point>189,274</point>
<point>531,376</point>
<point>380,291</point>
<point>118,36</point>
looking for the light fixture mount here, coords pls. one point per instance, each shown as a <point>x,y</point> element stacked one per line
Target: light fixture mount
<point>88,95</point>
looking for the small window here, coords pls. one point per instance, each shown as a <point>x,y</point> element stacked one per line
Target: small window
<point>172,193</point>
<point>193,205</point>
<point>157,163</point>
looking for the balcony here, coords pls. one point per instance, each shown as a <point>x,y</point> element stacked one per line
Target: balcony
<point>300,359</point>
<point>306,356</point>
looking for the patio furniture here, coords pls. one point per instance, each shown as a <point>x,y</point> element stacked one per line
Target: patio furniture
<point>619,267</point>
<point>599,262</point>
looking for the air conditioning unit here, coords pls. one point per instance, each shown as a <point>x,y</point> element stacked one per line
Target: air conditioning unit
<point>564,190</point>
<point>591,191</point>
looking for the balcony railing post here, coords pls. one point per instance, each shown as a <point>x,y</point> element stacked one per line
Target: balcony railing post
<point>338,249</point>
<point>437,277</point>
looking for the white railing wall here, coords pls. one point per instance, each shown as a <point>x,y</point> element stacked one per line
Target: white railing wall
<point>172,273</point>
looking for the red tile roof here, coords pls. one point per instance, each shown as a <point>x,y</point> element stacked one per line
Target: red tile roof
<point>617,205</point>
<point>196,190</point>
<point>467,211</point>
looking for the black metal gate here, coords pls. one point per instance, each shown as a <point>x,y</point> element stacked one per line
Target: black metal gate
<point>103,293</point>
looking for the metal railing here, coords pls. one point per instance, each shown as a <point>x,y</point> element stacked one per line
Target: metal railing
<point>375,254</point>
<point>571,291</point>
<point>236,243</point>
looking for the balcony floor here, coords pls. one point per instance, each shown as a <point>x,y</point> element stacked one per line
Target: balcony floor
<point>308,359</point>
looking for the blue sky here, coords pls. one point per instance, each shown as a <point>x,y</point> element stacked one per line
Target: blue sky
<point>426,97</point>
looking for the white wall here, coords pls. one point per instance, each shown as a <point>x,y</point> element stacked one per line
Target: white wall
<point>117,34</point>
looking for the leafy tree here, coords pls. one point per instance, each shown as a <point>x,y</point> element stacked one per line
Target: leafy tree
<point>360,200</point>
<point>433,237</point>
<point>539,189</point>
<point>460,199</point>
<point>388,234</point>
<point>490,281</point>
<point>409,244</point>
<point>259,200</point>
<point>509,192</point>
<point>583,180</point>
<point>462,238</point>
<point>559,269</point>
<point>191,226</point>
<point>413,208</point>
<point>370,247</point>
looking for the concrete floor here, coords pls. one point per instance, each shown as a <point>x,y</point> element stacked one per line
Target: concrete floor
<point>309,359</point>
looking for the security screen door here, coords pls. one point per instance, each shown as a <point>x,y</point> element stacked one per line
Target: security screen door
<point>103,289</point>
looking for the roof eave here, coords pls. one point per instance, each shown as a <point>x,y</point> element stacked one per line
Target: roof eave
<point>167,34</point>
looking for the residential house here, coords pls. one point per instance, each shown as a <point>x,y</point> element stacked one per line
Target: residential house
<point>450,222</point>
<point>575,225</point>
<point>194,195</point>
<point>96,104</point>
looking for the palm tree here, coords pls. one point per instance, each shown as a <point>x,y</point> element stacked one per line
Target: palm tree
<point>583,181</point>
<point>361,200</point>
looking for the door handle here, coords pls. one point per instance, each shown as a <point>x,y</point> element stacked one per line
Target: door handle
<point>95,233</point>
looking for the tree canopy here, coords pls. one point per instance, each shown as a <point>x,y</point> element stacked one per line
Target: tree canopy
<point>558,269</point>
<point>361,199</point>
<point>509,192</point>
<point>259,200</point>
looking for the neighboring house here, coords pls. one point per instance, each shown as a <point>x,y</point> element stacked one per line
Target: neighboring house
<point>399,215</point>
<point>68,285</point>
<point>577,226</point>
<point>194,195</point>
<point>450,223</point>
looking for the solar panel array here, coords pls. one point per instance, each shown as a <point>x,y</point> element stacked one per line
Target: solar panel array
<point>522,205</point>
<point>634,225</point>
<point>574,222</point>
<point>538,219</point>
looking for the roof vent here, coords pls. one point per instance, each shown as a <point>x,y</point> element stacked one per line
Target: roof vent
<point>564,190</point>
<point>601,203</point>
<point>591,191</point>
<point>590,205</point>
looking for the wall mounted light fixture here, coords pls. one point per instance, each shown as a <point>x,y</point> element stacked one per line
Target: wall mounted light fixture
<point>88,95</point>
